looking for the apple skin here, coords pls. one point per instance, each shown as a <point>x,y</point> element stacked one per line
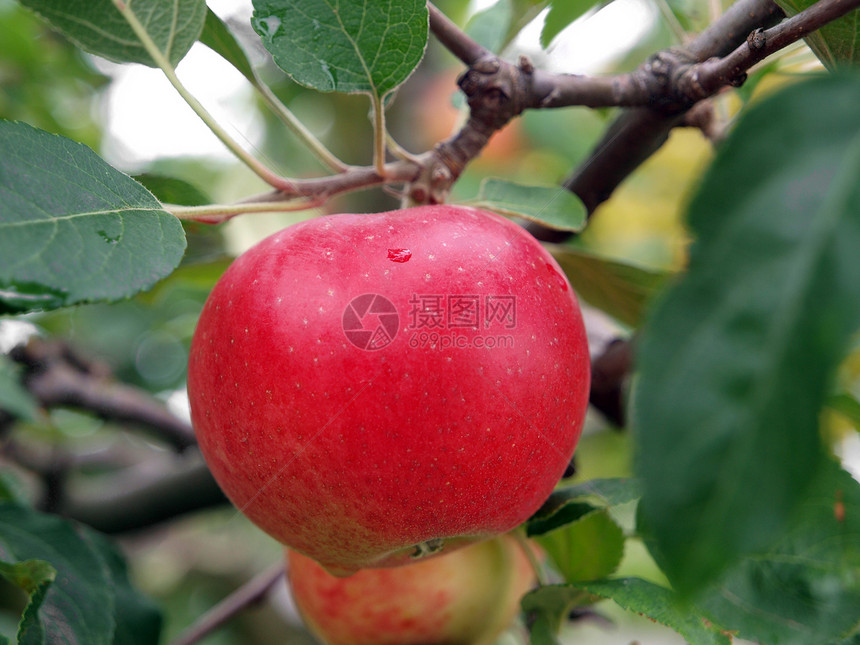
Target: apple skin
<point>466,597</point>
<point>370,458</point>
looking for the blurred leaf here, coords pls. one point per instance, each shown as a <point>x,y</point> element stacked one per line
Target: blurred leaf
<point>34,577</point>
<point>551,206</point>
<point>352,46</point>
<point>619,288</point>
<point>14,398</point>
<point>846,405</point>
<point>73,228</point>
<point>139,620</point>
<point>554,516</point>
<point>12,489</point>
<point>660,605</point>
<point>806,587</point>
<point>99,28</point>
<point>836,43</point>
<point>736,360</point>
<point>218,37</point>
<point>489,27</point>
<point>561,14</point>
<point>587,549</point>
<point>548,607</point>
<point>170,190</point>
<point>79,607</point>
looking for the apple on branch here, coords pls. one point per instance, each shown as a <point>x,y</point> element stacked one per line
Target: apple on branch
<point>466,597</point>
<point>372,389</point>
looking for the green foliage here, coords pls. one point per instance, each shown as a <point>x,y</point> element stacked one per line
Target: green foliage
<point>622,289</point>
<point>353,46</point>
<point>660,605</point>
<point>836,43</point>
<point>77,583</point>
<point>552,206</point>
<point>99,28</point>
<point>736,359</point>
<point>14,399</point>
<point>73,228</point>
<point>561,14</point>
<point>805,587</point>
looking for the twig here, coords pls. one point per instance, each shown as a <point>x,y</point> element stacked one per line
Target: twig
<point>250,594</point>
<point>266,174</point>
<point>142,498</point>
<point>56,377</point>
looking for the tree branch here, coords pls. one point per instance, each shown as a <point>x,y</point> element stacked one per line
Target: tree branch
<point>154,493</point>
<point>252,593</point>
<point>56,376</point>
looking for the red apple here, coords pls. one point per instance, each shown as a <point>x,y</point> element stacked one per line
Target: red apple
<point>371,388</point>
<point>467,597</point>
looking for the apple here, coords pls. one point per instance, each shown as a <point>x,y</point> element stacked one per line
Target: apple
<point>466,597</point>
<point>371,389</point>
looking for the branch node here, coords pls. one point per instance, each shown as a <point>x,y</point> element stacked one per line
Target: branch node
<point>757,40</point>
<point>526,65</point>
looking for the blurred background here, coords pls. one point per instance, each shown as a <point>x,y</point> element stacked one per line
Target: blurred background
<point>131,116</point>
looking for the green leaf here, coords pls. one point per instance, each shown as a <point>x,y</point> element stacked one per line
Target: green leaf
<point>14,398</point>
<point>846,405</point>
<point>99,28</point>
<point>587,549</point>
<point>806,587</point>
<point>72,228</point>
<point>349,46</point>
<point>660,605</point>
<point>170,190</point>
<point>490,27</point>
<point>620,289</point>
<point>836,43</point>
<point>139,620</point>
<point>551,206</point>
<point>555,516</point>
<point>737,358</point>
<point>561,13</point>
<point>34,577</point>
<point>218,37</point>
<point>567,504</point>
<point>78,608</point>
<point>548,606</point>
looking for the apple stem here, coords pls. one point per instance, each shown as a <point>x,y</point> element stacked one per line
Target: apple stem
<point>540,573</point>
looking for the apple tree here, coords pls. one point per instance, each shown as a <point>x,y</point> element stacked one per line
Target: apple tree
<point>699,188</point>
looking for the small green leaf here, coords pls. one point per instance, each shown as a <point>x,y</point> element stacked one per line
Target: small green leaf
<point>99,28</point>
<point>557,514</point>
<point>29,575</point>
<point>72,228</point>
<point>14,398</point>
<point>737,358</point>
<point>551,206</point>
<point>846,405</point>
<point>170,190</point>
<point>806,587</point>
<point>587,549</point>
<point>218,37</point>
<point>78,608</point>
<point>620,289</point>
<point>561,13</point>
<point>660,605</point>
<point>349,46</point>
<point>489,27</point>
<point>138,618</point>
<point>550,605</point>
<point>836,43</point>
